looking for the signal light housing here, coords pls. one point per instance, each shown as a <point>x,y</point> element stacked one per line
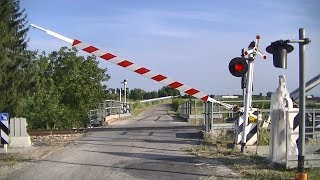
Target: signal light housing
<point>279,49</point>
<point>238,67</point>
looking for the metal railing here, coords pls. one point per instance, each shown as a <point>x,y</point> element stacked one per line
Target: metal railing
<point>312,146</point>
<point>191,109</point>
<point>108,108</point>
<point>211,115</point>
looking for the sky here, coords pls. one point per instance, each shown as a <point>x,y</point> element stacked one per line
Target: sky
<point>191,41</point>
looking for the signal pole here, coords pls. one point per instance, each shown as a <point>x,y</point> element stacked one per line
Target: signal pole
<point>252,52</point>
<point>247,100</point>
<point>125,90</point>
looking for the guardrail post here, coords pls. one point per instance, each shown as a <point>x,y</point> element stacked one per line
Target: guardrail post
<point>313,122</point>
<point>195,110</point>
<point>207,116</point>
<point>211,103</point>
<point>187,106</point>
<point>111,106</point>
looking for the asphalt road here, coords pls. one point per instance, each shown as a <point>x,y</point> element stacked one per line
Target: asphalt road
<point>130,151</point>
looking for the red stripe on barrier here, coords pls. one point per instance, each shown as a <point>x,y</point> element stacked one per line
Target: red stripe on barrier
<point>191,91</point>
<point>108,56</point>
<point>90,49</point>
<point>175,85</point>
<point>205,98</point>
<point>158,77</point>
<point>125,63</point>
<point>142,70</point>
<point>75,42</point>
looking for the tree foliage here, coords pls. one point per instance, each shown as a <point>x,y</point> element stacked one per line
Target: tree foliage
<point>167,91</point>
<point>67,87</point>
<point>15,61</point>
<point>136,94</point>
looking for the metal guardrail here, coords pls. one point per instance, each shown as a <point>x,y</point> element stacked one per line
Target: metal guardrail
<point>191,109</point>
<point>108,108</point>
<point>212,116</point>
<point>312,147</point>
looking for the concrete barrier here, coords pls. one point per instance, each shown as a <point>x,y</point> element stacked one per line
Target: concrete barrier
<point>18,133</point>
<point>115,117</point>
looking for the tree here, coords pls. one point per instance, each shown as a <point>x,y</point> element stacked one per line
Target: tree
<point>14,60</point>
<point>167,91</point>
<point>151,95</point>
<point>136,94</point>
<point>67,87</point>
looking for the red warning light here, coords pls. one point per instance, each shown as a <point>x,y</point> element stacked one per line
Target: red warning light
<point>238,67</point>
<point>264,57</point>
<point>245,53</point>
<point>258,37</point>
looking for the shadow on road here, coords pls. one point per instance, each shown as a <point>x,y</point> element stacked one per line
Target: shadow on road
<point>132,168</point>
<point>128,128</point>
<point>190,135</point>
<point>151,156</point>
<point>118,145</point>
<point>140,140</point>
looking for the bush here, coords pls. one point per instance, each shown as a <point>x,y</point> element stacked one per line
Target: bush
<point>175,103</point>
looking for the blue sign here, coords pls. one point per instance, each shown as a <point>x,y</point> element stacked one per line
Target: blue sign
<point>4,116</point>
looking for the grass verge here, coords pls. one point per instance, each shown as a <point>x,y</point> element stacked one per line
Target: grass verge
<point>9,160</point>
<point>250,166</point>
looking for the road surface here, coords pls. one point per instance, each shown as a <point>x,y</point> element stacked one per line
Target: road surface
<point>130,152</point>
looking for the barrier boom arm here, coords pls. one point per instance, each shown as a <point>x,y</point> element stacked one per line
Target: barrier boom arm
<point>135,68</point>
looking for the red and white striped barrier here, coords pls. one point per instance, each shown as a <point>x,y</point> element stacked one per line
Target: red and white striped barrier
<point>135,68</point>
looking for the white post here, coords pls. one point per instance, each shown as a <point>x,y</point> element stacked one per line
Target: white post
<point>248,99</point>
<point>5,146</point>
<point>125,90</point>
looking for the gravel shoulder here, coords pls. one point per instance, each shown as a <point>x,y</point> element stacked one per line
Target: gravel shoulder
<point>42,146</point>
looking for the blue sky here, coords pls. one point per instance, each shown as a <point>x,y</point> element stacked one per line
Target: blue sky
<point>191,41</point>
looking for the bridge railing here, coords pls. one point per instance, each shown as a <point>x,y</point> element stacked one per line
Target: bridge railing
<point>109,109</point>
<point>192,110</point>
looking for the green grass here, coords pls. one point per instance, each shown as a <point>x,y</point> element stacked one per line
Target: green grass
<point>249,166</point>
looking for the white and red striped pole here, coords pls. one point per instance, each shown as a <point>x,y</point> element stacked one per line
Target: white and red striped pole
<point>135,68</point>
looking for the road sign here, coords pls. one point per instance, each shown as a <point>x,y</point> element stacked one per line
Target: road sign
<point>4,116</point>
<point>4,128</point>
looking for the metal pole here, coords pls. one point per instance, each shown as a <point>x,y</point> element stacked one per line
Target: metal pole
<point>302,102</point>
<point>247,102</point>
<point>211,127</point>
<point>207,116</point>
<point>195,110</point>
<point>243,80</point>
<point>120,95</point>
<point>313,122</point>
<point>120,103</point>
<point>204,113</point>
<point>125,91</point>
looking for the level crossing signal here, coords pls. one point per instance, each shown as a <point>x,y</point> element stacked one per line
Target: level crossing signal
<point>238,66</point>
